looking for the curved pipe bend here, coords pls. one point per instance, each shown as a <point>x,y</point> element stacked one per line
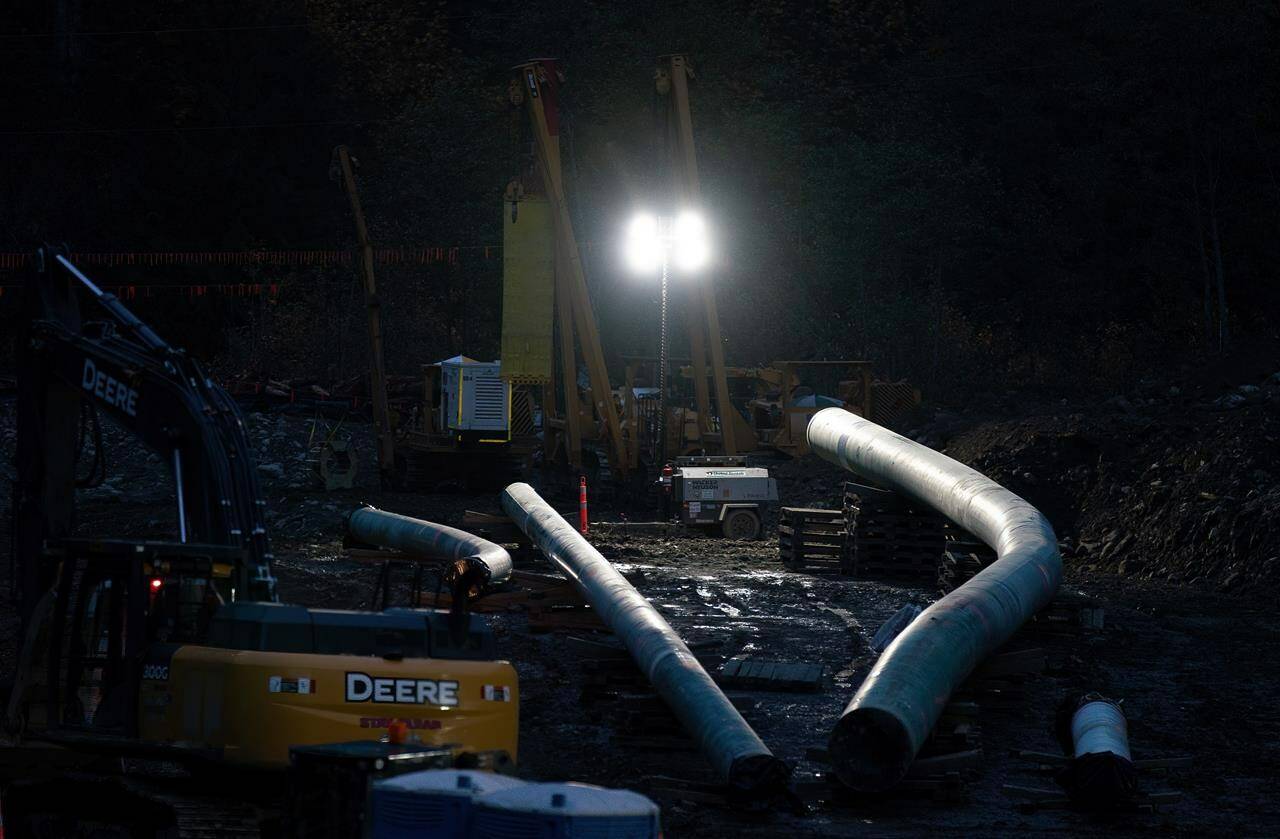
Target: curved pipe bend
<point>895,709</point>
<point>475,563</point>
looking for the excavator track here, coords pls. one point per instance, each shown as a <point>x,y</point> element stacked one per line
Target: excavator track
<point>210,818</point>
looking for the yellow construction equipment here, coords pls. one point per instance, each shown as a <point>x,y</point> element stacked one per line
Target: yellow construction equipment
<point>440,437</point>
<point>179,650</point>
<point>377,369</point>
<point>565,427</point>
<point>249,706</point>
<point>778,399</point>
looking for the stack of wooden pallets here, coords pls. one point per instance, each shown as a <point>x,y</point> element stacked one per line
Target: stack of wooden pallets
<point>889,537</point>
<point>963,557</point>
<point>812,540</point>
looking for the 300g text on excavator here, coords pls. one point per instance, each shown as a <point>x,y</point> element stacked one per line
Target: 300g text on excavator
<point>180,650</point>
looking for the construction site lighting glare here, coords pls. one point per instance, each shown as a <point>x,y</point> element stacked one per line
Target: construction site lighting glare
<point>644,245</point>
<point>689,240</point>
<point>652,240</point>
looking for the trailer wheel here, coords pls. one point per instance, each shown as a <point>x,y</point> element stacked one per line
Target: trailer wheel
<point>743,525</point>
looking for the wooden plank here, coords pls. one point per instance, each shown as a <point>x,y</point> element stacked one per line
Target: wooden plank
<point>1017,662</point>
<point>942,764</point>
<point>811,512</point>
<point>546,620</point>
<point>595,649</point>
<point>654,743</point>
<point>377,556</point>
<point>1163,763</point>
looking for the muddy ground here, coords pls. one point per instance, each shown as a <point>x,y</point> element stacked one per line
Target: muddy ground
<point>1193,657</point>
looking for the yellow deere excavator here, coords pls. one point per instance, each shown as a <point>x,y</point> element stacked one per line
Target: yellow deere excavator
<point>179,651</point>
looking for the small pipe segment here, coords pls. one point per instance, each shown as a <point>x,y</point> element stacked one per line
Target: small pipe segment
<point>1099,727</point>
<point>1101,775</point>
<point>734,750</point>
<point>898,704</point>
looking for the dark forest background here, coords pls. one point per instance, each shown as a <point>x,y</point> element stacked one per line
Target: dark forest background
<point>979,196</point>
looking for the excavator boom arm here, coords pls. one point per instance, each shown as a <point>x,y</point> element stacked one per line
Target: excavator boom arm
<point>122,368</point>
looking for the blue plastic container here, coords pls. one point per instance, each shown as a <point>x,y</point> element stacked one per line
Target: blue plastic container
<point>432,803</point>
<point>565,811</point>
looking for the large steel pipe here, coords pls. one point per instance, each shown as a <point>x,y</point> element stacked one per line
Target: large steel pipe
<point>473,563</point>
<point>898,704</point>
<point>734,750</point>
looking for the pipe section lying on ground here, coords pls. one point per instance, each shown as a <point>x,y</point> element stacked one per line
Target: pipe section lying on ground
<point>1101,774</point>
<point>1097,727</point>
<point>735,752</point>
<point>474,563</point>
<point>898,704</point>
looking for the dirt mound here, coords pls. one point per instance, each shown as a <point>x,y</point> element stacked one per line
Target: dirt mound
<point>1168,482</point>
<point>1175,488</point>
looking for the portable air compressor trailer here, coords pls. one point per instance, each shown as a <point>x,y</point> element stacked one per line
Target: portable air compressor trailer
<point>722,494</point>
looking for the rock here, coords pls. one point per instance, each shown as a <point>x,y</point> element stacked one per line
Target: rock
<point>271,470</point>
<point>1131,566</point>
<point>1229,402</point>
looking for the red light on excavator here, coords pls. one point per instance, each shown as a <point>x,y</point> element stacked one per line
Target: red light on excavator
<point>156,583</point>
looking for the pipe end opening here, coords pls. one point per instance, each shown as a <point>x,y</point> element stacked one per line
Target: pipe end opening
<point>759,778</point>
<point>870,749</point>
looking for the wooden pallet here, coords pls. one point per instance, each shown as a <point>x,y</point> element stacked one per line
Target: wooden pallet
<point>957,730</point>
<point>1000,682</point>
<point>1035,799</point>
<point>1069,614</point>
<point>812,539</point>
<point>890,537</point>
<point>965,556</point>
<point>817,515</point>
<point>940,779</point>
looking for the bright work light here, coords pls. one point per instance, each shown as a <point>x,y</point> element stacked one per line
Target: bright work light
<point>654,241</point>
<point>689,241</point>
<point>644,244</point>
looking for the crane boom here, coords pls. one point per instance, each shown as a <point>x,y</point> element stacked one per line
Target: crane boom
<point>540,83</point>
<point>704,320</point>
<point>378,373</point>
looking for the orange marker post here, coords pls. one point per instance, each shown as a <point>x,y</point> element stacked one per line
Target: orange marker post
<point>582,504</point>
